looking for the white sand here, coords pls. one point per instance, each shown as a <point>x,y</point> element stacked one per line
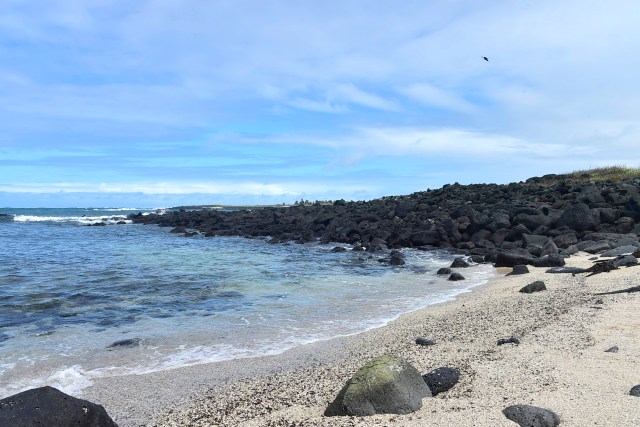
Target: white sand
<point>560,364</point>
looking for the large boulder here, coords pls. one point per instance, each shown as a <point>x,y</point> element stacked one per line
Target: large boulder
<point>47,406</point>
<point>565,240</point>
<point>549,261</point>
<point>384,385</point>
<point>512,258</point>
<point>423,238</point>
<point>578,217</point>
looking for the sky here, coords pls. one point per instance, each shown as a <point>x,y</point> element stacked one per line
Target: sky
<point>157,103</point>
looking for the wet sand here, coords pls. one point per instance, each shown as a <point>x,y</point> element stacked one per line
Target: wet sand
<point>560,363</point>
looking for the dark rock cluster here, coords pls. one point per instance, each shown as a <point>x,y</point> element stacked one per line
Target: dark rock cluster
<point>47,406</point>
<point>536,222</point>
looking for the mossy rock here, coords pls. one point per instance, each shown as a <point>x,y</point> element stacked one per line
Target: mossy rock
<point>384,385</point>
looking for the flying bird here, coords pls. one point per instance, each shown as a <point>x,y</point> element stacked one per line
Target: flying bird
<point>485,58</point>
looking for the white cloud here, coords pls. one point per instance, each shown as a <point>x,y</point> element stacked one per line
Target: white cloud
<point>431,95</point>
<point>350,93</point>
<point>218,188</point>
<point>318,106</point>
<point>401,79</point>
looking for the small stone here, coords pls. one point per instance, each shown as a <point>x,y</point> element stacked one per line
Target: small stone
<point>536,286</point>
<point>635,391</point>
<point>531,416</point>
<point>455,277</point>
<point>510,340</point>
<point>444,271</point>
<point>599,301</point>
<point>613,349</point>
<point>441,379</point>
<point>424,341</point>
<point>126,343</point>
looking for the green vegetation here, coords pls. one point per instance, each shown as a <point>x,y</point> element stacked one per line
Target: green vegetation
<point>608,173</point>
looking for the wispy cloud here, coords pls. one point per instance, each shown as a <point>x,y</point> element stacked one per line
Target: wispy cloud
<point>313,88</point>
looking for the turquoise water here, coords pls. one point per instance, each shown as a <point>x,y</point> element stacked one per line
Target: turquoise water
<point>67,291</point>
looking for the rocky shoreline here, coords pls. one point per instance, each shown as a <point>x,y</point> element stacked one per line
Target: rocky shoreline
<point>541,220</point>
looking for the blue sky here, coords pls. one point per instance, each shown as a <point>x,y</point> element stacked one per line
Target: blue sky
<point>167,102</point>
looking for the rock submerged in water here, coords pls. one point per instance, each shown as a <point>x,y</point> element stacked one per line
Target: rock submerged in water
<point>455,277</point>
<point>459,263</point>
<point>384,385</point>
<point>126,343</point>
<point>444,271</point>
<point>531,416</point>
<point>47,406</point>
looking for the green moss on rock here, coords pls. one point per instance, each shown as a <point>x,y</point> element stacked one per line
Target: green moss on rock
<point>384,385</point>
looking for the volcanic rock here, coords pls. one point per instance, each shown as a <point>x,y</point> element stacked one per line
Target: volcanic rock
<point>385,385</point>
<point>536,286</point>
<point>531,416</point>
<point>47,406</point>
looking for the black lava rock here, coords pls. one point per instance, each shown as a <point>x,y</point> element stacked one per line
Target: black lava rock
<point>531,416</point>
<point>47,406</point>
<point>635,391</point>
<point>518,269</point>
<point>338,249</point>
<point>424,341</point>
<point>444,271</point>
<point>126,343</point>
<point>441,379</point>
<point>459,263</point>
<point>510,340</point>
<point>396,260</point>
<point>613,349</point>
<point>536,286</point>
<point>455,277</point>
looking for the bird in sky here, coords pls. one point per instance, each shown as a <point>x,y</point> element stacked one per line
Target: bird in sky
<point>485,58</point>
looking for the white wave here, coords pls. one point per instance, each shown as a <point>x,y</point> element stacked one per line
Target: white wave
<point>71,380</point>
<point>72,219</point>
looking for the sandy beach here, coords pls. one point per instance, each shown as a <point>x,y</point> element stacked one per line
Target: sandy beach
<point>560,364</point>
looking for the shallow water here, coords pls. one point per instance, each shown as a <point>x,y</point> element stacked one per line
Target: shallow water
<point>67,292</point>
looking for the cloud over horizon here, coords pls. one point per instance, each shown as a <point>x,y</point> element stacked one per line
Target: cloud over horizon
<point>279,100</point>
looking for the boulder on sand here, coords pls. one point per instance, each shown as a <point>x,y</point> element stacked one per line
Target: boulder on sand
<point>384,385</point>
<point>536,286</point>
<point>47,406</point>
<point>441,379</point>
<point>518,269</point>
<point>531,416</point>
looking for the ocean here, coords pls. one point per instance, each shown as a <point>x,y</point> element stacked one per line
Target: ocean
<point>68,291</point>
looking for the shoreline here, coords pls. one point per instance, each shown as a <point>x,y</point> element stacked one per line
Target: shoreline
<point>561,363</point>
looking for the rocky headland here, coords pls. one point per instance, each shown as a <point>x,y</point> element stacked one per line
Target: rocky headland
<point>540,221</point>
